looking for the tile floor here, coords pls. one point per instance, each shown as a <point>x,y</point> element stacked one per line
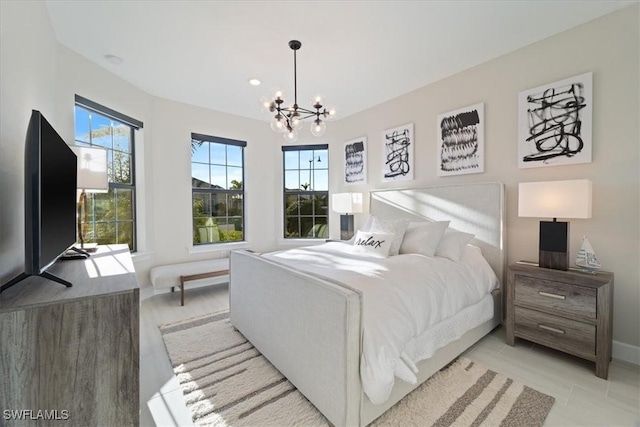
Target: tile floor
<point>582,399</point>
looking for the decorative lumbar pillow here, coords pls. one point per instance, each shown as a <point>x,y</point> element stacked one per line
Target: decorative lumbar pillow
<point>377,244</point>
<point>453,244</point>
<point>397,227</point>
<point>423,237</point>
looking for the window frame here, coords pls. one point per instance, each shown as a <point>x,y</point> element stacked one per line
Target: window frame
<point>301,192</point>
<point>211,190</point>
<point>134,125</point>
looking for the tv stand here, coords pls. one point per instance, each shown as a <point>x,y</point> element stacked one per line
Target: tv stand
<point>20,277</point>
<point>79,251</point>
<point>55,278</point>
<point>74,253</point>
<point>74,349</point>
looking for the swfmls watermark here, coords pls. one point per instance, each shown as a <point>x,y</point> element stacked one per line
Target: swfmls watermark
<point>34,415</point>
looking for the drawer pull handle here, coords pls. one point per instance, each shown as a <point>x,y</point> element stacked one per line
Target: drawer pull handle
<point>547,294</point>
<point>549,328</point>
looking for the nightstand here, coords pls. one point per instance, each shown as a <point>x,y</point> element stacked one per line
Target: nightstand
<point>570,311</point>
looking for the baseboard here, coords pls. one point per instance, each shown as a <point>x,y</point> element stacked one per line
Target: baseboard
<point>626,352</point>
<point>146,293</point>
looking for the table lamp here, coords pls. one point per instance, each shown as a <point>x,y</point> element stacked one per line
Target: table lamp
<point>555,199</point>
<point>346,204</point>
<point>92,178</point>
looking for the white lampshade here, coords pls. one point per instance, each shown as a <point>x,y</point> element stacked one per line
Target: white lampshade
<point>555,199</point>
<point>92,169</point>
<point>346,203</point>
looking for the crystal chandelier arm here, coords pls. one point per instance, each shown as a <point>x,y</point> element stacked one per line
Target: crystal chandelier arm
<point>305,114</point>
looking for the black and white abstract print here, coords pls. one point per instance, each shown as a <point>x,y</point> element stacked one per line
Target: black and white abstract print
<point>461,141</point>
<point>355,161</point>
<point>397,154</point>
<point>554,124</point>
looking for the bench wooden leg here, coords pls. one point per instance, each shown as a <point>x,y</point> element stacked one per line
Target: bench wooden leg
<point>197,277</point>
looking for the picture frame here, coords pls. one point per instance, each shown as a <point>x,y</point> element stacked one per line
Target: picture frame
<point>397,153</point>
<point>355,161</point>
<point>461,141</point>
<point>555,123</point>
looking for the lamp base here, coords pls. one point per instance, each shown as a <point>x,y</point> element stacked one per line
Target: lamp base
<point>553,245</point>
<point>346,227</point>
<point>553,260</point>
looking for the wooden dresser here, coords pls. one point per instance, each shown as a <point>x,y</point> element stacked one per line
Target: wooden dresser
<point>73,352</point>
<point>570,311</point>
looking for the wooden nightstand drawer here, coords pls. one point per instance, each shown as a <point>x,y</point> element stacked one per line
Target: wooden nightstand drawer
<point>578,300</point>
<point>570,311</point>
<point>552,331</point>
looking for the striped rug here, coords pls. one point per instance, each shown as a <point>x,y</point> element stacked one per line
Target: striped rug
<point>227,382</point>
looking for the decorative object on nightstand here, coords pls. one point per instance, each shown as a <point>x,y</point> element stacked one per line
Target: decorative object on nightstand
<point>92,178</point>
<point>570,311</point>
<point>555,199</point>
<point>346,204</point>
<point>586,259</point>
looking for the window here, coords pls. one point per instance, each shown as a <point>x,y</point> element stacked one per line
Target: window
<point>217,174</point>
<point>306,191</point>
<point>111,215</point>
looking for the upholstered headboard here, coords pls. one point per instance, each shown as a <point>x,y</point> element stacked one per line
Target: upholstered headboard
<point>472,208</point>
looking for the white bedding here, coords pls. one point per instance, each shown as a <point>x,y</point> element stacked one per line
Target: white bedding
<point>403,297</point>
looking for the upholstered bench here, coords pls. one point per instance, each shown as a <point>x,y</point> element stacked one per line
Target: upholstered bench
<point>170,276</point>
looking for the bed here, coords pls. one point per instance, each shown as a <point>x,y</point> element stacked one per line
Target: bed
<point>309,325</point>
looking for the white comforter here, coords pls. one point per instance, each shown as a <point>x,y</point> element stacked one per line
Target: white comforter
<point>403,296</point>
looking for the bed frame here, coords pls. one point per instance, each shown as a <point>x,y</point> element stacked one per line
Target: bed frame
<point>310,328</point>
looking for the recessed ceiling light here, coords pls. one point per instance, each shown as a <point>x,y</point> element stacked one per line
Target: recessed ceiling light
<point>254,82</point>
<point>115,60</point>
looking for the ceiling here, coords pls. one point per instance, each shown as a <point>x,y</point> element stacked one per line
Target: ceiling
<point>356,54</point>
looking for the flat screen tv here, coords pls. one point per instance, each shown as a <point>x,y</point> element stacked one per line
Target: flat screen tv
<point>50,174</point>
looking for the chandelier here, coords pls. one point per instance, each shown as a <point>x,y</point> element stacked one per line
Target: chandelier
<point>288,120</point>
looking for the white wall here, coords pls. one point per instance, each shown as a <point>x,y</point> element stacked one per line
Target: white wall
<point>172,127</point>
<point>609,47</point>
<point>28,58</point>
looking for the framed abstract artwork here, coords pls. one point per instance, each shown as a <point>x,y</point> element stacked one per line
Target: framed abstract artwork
<point>355,161</point>
<point>461,141</point>
<point>397,153</point>
<point>554,123</point>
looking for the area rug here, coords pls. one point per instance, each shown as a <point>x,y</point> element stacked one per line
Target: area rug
<point>227,382</point>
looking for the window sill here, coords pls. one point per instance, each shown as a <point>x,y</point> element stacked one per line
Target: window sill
<point>141,256</point>
<point>218,247</point>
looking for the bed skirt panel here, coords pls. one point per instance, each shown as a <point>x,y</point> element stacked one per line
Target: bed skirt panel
<point>441,358</point>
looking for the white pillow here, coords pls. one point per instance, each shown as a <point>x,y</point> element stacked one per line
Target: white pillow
<point>453,243</point>
<point>472,255</point>
<point>367,225</point>
<point>370,243</point>
<point>423,237</point>
<point>397,227</point>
